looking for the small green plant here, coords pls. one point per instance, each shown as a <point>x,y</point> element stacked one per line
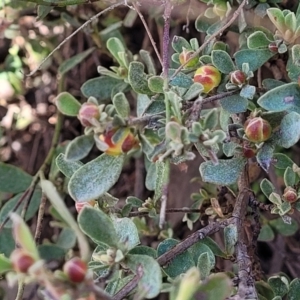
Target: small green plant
<point>209,101</point>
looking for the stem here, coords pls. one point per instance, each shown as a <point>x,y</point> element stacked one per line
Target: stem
<point>148,32</point>
<point>60,3</point>
<point>213,36</point>
<point>73,34</point>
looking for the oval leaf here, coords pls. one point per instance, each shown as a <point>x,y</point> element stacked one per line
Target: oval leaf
<point>224,173</point>
<point>222,61</point>
<point>20,182</point>
<point>150,283</point>
<point>67,104</point>
<point>289,133</point>
<point>98,226</point>
<point>79,147</point>
<point>95,178</point>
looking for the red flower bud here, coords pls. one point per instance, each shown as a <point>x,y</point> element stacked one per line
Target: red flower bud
<point>208,76</point>
<point>185,55</point>
<point>238,77</point>
<point>290,194</point>
<point>80,205</point>
<point>88,111</point>
<point>126,141</point>
<point>21,260</point>
<point>273,47</point>
<point>257,130</point>
<point>75,269</point>
<point>248,151</point>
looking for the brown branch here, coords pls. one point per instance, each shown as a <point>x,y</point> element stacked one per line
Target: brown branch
<point>212,37</point>
<point>246,286</point>
<point>131,285</point>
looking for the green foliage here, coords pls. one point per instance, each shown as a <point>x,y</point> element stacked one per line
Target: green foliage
<point>147,114</point>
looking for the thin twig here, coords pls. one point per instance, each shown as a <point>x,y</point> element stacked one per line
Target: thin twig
<point>73,34</point>
<point>39,223</point>
<point>148,32</point>
<point>212,37</point>
<point>130,285</point>
<point>192,239</point>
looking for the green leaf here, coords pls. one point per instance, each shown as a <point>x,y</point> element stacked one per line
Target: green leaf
<point>267,187</point>
<point>115,47</point>
<point>230,238</point>
<point>265,155</point>
<point>5,264</point>
<point>33,207</point>
<point>282,161</point>
<point>283,228</point>
<point>67,104</point>
<point>289,133</point>
<point>68,168</point>
<point>70,63</point>
<point>203,23</point>
<point>179,43</point>
<point>144,250</point>
<point>180,264</point>
<point>79,147</point>
<point>277,18</point>
<point>295,51</point>
<point>66,238</point>
<point>195,89</point>
<point>289,177</point>
<point>258,40</point>
<point>294,291</point>
<point>102,88</point>
<point>51,252</point>
<point>23,236</point>
<point>180,80</point>
<point>222,61</point>
<point>279,285</point>
<point>248,91</point>
<point>270,83</point>
<point>134,201</point>
<point>246,56</point>
<point>214,247</point>
<point>149,62</point>
<point>58,204</point>
<point>226,172</point>
<point>127,232</point>
<point>98,226</point>
<point>95,178</point>
<point>292,66</point>
<point>138,79</point>
<point>115,285</point>
<point>7,242</point>
<point>234,104</point>
<point>121,105</point>
<point>150,283</point>
<point>266,234</point>
<point>20,182</point>
<point>162,177</point>
<point>284,97</point>
<point>204,265</point>
<point>217,287</point>
<point>156,84</point>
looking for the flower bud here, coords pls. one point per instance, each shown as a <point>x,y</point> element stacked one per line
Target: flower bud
<point>80,205</point>
<point>75,269</point>
<point>185,55</point>
<point>126,141</point>
<point>87,112</point>
<point>257,130</point>
<point>21,260</point>
<point>248,151</point>
<point>208,76</point>
<point>290,194</point>
<point>238,77</point>
<point>273,47</point>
